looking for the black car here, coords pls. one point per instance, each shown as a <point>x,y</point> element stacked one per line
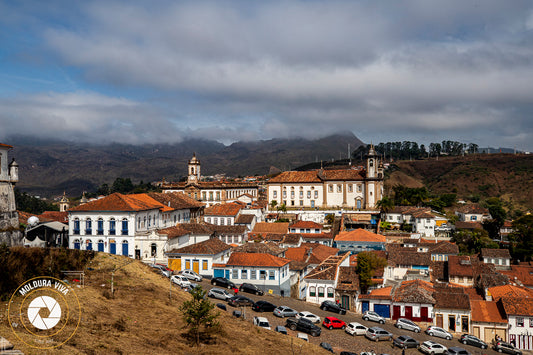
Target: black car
<point>250,288</point>
<point>303,325</point>
<point>264,306</point>
<point>473,340</point>
<point>405,341</point>
<point>326,346</point>
<point>348,353</point>
<point>332,307</point>
<point>503,347</point>
<point>222,281</point>
<point>237,301</point>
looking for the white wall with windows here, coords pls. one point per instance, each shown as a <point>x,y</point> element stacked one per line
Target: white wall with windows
<point>319,291</point>
<point>276,279</point>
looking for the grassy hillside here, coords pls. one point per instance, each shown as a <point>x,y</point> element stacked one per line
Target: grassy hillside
<point>142,319</point>
<point>507,176</point>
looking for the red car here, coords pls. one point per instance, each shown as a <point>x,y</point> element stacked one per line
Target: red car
<point>332,322</point>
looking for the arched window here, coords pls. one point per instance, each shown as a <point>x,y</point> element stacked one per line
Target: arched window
<point>100,227</point>
<point>330,292</point>
<point>125,247</point>
<point>76,244</point>
<point>153,250</point>
<point>76,229</point>
<point>100,245</point>
<point>88,226</point>
<point>124,226</point>
<point>312,291</point>
<point>89,245</point>
<point>112,227</point>
<point>321,291</point>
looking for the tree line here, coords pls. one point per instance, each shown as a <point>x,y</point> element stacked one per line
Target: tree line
<point>407,150</point>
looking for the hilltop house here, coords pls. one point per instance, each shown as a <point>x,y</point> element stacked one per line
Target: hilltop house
<point>421,219</point>
<point>472,213</point>
<point>348,188</point>
<point>222,214</point>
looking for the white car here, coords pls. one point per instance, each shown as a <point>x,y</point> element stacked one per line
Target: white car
<point>181,281</point>
<point>303,336</point>
<point>262,322</point>
<point>439,332</point>
<point>374,317</point>
<point>355,328</point>
<point>430,347</point>
<point>191,275</point>
<point>313,318</point>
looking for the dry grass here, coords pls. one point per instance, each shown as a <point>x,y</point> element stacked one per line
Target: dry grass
<point>141,319</point>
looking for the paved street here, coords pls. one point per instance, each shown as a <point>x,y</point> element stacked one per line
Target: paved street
<point>338,338</point>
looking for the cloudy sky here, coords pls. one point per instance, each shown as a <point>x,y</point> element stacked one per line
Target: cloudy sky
<point>161,71</point>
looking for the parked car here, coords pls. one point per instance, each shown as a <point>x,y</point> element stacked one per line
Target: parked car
<point>191,275</point>
<point>309,316</point>
<point>348,353</point>
<point>303,325</point>
<point>469,339</point>
<point>332,322</point>
<point>403,323</point>
<point>181,281</point>
<point>262,322</point>
<point>166,273</point>
<point>374,317</point>
<point>377,333</point>
<point>438,332</point>
<point>326,346</point>
<point>263,306</point>
<point>405,341</point>
<point>250,288</point>
<point>332,307</point>
<point>239,300</point>
<point>222,281</point>
<point>284,311</point>
<point>430,347</point>
<point>219,293</point>
<point>455,350</point>
<point>355,328</point>
<point>503,347</point>
<point>281,329</point>
<point>221,306</point>
<point>303,336</point>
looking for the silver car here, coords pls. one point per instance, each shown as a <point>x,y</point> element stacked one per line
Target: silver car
<point>191,275</point>
<point>377,333</point>
<point>438,332</point>
<point>284,311</point>
<point>219,293</point>
<point>403,323</point>
<point>374,317</point>
<point>430,347</point>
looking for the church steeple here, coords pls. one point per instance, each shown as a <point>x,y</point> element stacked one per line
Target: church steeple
<point>372,161</point>
<point>193,170</point>
<point>63,203</point>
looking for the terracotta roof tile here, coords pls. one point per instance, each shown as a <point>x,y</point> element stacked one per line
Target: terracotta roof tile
<point>176,200</point>
<point>296,176</point>
<point>244,219</point>
<point>473,209</point>
<point>311,236</point>
<point>256,259</point>
<point>487,312</point>
<point>383,293</point>
<point>327,270</point>
<point>399,255</point>
<point>306,225</point>
<point>119,202</point>
<point>520,273</point>
<point>312,253</point>
<point>264,227</point>
<point>468,225</point>
<point>451,298</point>
<point>414,291</point>
<point>211,246</point>
<point>348,279</point>
<point>509,291</point>
<point>53,216</point>
<point>5,145</point>
<point>495,253</point>
<point>518,306</point>
<point>360,235</point>
<point>268,248</point>
<point>225,209</point>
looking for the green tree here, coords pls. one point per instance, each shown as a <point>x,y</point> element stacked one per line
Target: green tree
<point>367,264</point>
<point>282,208</point>
<point>385,204</point>
<point>498,214</point>
<point>330,218</point>
<point>198,312</point>
<point>522,238</point>
<point>32,204</point>
<point>471,241</point>
<point>273,204</point>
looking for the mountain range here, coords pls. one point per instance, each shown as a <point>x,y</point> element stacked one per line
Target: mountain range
<point>49,167</point>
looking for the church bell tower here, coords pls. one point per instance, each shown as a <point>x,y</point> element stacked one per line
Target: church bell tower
<point>193,170</point>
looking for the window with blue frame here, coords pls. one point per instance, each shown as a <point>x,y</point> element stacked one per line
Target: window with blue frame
<point>112,228</point>
<point>271,275</point>
<point>88,226</point>
<point>124,227</point>
<point>76,226</point>
<point>100,229</point>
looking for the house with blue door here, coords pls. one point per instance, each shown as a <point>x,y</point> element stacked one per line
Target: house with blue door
<point>268,272</point>
<point>378,300</point>
<point>120,224</point>
<point>359,240</point>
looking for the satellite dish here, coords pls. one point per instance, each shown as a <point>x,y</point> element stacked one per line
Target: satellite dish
<point>33,220</point>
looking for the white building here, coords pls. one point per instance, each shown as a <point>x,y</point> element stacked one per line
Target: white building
<point>125,224</point>
<point>422,220</point>
<point>347,188</point>
<point>519,312</point>
<point>199,257</point>
<point>322,281</point>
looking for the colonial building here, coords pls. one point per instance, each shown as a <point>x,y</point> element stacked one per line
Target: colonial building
<point>9,221</point>
<point>211,192</point>
<point>342,188</point>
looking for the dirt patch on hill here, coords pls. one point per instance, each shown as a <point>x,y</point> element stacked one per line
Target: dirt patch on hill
<point>142,317</point>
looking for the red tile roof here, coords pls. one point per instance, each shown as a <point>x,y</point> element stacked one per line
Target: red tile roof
<point>414,291</point>
<point>120,202</point>
<point>510,291</point>
<point>225,209</point>
<point>317,176</point>
<point>256,259</point>
<point>360,235</point>
<point>518,306</point>
<point>306,225</point>
<point>54,216</point>
<point>383,293</point>
<point>487,312</point>
<point>5,145</point>
<point>211,246</point>
<point>495,253</point>
<point>176,200</point>
<point>520,274</point>
<point>312,253</point>
<point>264,227</point>
<point>327,270</point>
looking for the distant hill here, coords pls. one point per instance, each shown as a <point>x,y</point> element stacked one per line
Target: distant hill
<point>507,176</point>
<point>48,167</point>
